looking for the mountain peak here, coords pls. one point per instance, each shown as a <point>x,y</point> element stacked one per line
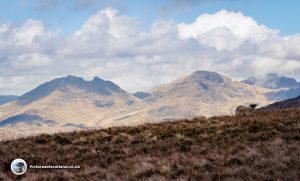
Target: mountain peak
<point>96,78</point>
<point>273,81</point>
<point>97,85</point>
<point>204,72</point>
<point>70,79</point>
<point>209,76</point>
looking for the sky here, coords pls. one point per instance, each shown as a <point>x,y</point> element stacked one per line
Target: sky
<point>141,44</point>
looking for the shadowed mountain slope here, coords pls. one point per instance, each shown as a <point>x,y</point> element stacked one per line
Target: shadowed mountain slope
<point>7,99</point>
<point>286,104</point>
<point>142,95</point>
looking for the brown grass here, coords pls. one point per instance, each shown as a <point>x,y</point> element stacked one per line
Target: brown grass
<point>256,146</point>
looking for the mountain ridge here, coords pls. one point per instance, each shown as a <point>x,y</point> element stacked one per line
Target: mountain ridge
<point>202,93</point>
<point>96,85</point>
<point>70,101</point>
<point>273,81</point>
<point>97,103</point>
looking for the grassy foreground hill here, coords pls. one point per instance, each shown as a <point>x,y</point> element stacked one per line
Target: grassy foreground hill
<point>256,146</point>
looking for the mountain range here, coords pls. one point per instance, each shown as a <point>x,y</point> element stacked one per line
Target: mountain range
<point>286,87</point>
<point>273,81</point>
<point>71,103</point>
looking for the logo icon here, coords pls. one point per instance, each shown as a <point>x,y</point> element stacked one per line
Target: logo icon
<point>18,166</point>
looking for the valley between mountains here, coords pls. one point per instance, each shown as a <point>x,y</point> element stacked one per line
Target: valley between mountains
<point>72,103</point>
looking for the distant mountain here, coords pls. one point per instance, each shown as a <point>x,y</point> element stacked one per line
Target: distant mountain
<point>66,103</point>
<point>286,104</point>
<point>273,81</point>
<point>284,94</point>
<point>202,93</point>
<point>7,99</point>
<point>141,95</point>
<point>97,85</point>
<point>290,88</point>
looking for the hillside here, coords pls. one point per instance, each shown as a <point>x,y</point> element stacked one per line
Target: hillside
<point>286,104</point>
<point>64,104</point>
<point>203,93</point>
<point>259,146</point>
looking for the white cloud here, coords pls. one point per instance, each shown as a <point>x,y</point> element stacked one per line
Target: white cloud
<point>241,26</point>
<point>104,33</point>
<point>32,36</point>
<point>29,61</point>
<point>29,33</point>
<point>230,24</point>
<point>112,46</point>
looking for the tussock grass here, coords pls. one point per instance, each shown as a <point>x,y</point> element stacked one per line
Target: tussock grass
<point>256,146</point>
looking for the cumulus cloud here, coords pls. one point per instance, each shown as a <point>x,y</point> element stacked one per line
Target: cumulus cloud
<point>217,29</point>
<point>104,33</point>
<point>112,46</point>
<point>32,36</point>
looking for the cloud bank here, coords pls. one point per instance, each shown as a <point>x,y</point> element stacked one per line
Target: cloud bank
<point>112,46</point>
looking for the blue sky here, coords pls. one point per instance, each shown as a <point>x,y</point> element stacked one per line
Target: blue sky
<point>68,15</point>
